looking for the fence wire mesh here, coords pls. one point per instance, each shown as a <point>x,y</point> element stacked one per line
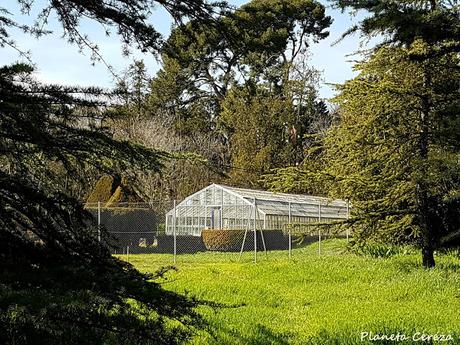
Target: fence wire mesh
<point>232,232</point>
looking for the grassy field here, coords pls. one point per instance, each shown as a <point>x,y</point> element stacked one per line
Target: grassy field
<point>311,299</point>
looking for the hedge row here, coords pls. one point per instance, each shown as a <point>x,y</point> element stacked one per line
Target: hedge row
<point>222,240</point>
<point>211,240</point>
<point>232,240</point>
<point>184,244</point>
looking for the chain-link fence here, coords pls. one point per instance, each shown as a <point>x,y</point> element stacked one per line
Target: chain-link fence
<point>228,231</point>
<point>131,227</point>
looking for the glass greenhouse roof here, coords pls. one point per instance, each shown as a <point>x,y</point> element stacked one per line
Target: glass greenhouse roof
<point>279,197</point>
<point>268,203</point>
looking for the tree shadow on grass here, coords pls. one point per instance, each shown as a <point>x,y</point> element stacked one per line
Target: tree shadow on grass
<point>261,335</point>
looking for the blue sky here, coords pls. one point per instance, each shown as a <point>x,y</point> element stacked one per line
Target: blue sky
<point>59,62</point>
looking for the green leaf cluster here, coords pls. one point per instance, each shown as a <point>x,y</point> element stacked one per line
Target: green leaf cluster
<point>58,283</point>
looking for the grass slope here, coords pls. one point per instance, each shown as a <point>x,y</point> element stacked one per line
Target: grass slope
<point>311,299</point>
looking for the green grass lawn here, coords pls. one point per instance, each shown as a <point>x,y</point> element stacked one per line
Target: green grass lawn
<point>312,299</point>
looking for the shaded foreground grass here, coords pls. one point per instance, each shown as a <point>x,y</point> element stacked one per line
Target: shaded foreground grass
<point>311,299</point>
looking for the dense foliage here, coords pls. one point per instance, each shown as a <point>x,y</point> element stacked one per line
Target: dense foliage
<point>379,162</point>
<point>204,97</point>
<point>210,84</point>
<point>58,284</point>
<point>434,21</point>
<point>268,129</point>
<point>394,151</point>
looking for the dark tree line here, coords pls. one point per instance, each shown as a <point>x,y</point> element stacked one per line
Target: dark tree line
<point>58,284</point>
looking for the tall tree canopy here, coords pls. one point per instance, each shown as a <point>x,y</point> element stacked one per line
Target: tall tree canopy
<point>211,83</point>
<point>434,21</point>
<point>58,283</point>
<point>403,186</point>
<point>269,129</point>
<point>394,150</point>
<point>263,39</point>
<point>430,31</point>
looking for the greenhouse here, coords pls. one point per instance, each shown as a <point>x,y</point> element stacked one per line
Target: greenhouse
<point>224,207</point>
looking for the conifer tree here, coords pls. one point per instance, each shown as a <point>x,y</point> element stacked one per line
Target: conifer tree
<point>429,30</point>
<point>58,283</point>
<point>394,150</point>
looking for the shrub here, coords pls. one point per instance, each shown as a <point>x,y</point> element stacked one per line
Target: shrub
<point>111,190</point>
<point>223,240</point>
<point>185,244</point>
<point>117,196</point>
<point>104,189</point>
<point>232,240</point>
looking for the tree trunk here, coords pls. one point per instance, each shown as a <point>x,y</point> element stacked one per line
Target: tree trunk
<point>428,257</point>
<point>425,226</point>
<point>423,208</point>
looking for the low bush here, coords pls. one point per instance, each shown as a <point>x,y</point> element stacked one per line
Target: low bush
<point>103,189</point>
<point>223,240</point>
<point>231,240</point>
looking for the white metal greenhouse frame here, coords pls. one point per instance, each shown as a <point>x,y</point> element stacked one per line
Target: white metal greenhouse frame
<point>223,207</point>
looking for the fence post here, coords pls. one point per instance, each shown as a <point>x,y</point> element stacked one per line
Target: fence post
<point>99,221</point>
<point>127,253</point>
<point>348,217</point>
<point>262,235</point>
<point>319,241</point>
<point>221,209</point>
<point>174,234</point>
<point>205,210</point>
<point>289,233</point>
<point>319,228</point>
<point>255,231</point>
<point>242,244</point>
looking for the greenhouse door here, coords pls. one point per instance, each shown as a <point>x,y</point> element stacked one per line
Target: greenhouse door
<point>216,217</point>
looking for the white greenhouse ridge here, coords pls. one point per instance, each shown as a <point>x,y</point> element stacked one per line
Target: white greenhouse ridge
<point>223,207</point>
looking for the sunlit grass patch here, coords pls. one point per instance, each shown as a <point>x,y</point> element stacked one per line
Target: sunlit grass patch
<point>316,299</point>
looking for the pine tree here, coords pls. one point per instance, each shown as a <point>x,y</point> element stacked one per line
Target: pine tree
<point>429,30</point>
<point>58,283</point>
<point>261,42</point>
<point>394,151</point>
